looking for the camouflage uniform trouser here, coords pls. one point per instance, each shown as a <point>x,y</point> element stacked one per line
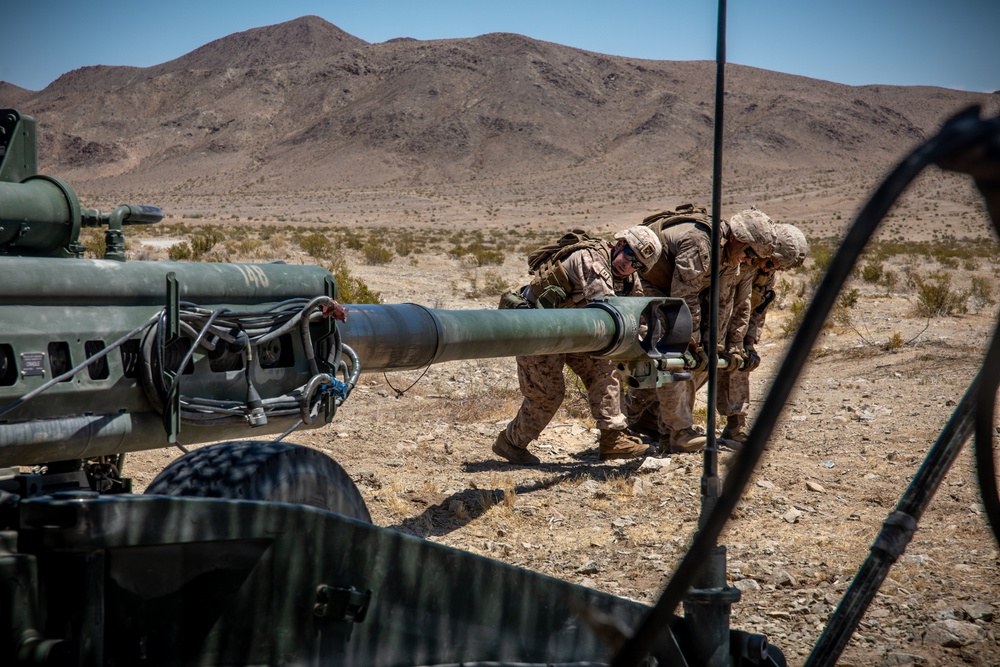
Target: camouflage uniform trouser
<point>676,400</point>
<point>673,403</point>
<point>543,387</point>
<point>733,394</point>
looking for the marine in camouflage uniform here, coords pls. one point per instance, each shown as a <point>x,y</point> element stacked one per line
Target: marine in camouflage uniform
<point>684,271</point>
<point>598,270</point>
<point>754,295</point>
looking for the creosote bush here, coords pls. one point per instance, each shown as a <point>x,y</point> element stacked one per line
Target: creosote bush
<point>377,254</point>
<point>935,296</point>
<point>349,288</point>
<point>478,254</point>
<point>842,311</point>
<point>93,239</point>
<point>981,292</point>
<point>797,312</point>
<point>894,343</point>
<point>180,252</point>
<point>316,245</point>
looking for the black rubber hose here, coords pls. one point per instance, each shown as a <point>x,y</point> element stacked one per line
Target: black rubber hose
<point>985,464</point>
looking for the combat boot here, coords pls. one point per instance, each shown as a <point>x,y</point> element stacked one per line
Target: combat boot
<point>620,445</point>
<point>686,440</point>
<point>519,455</point>
<point>644,425</point>
<point>735,431</point>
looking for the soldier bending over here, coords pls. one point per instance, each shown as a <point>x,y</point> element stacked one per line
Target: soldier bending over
<point>581,272</point>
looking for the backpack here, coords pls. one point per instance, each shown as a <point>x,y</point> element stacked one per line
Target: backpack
<point>571,241</point>
<point>683,213</point>
<point>545,263</point>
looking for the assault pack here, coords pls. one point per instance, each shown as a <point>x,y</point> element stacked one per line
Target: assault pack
<point>683,213</point>
<point>550,282</point>
<point>571,241</point>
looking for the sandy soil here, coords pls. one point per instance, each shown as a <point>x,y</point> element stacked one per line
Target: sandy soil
<point>858,426</point>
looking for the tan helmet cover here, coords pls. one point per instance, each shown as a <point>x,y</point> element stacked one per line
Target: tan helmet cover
<point>790,247</point>
<point>755,229</point>
<point>645,244</point>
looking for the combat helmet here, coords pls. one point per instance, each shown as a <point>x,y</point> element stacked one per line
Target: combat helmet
<point>790,247</point>
<point>645,244</point>
<point>755,229</point>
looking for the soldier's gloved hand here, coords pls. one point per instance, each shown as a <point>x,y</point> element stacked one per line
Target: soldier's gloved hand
<point>551,296</point>
<point>753,359</point>
<point>513,301</point>
<point>695,358</point>
<point>733,359</point>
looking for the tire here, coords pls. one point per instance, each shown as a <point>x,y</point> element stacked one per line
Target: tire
<point>263,470</point>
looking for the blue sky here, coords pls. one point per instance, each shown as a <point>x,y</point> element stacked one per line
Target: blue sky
<point>948,43</point>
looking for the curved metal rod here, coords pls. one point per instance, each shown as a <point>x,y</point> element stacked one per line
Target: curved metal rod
<point>983,431</point>
<point>958,134</point>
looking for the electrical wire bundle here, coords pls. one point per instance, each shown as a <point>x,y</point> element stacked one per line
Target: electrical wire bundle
<point>245,333</point>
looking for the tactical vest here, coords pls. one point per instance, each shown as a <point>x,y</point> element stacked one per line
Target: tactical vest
<point>545,264</point>
<point>760,296</point>
<point>662,273</point>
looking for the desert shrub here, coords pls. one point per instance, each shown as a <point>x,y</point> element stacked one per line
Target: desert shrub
<point>981,292</point>
<point>486,257</point>
<point>405,244</point>
<point>872,271</point>
<point>353,240</point>
<point>355,290</point>
<point>842,311</point>
<point>889,279</point>
<point>849,299</point>
<point>894,343</point>
<point>248,247</point>
<point>492,402</point>
<point>203,242</point>
<point>576,404</point>
<point>377,254</point>
<point>180,252</point>
<point>797,312</point>
<point>495,283</point>
<point>316,245</point>
<point>935,296</point>
<point>349,288</point>
<point>142,253</point>
<point>92,239</point>
<point>477,253</point>
<point>781,290</point>
<point>822,255</point>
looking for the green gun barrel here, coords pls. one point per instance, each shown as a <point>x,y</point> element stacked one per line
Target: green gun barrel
<point>409,336</point>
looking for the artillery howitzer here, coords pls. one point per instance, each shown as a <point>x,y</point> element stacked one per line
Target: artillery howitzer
<point>246,551</point>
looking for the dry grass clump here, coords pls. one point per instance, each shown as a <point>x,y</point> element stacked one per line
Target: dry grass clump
<point>491,404</point>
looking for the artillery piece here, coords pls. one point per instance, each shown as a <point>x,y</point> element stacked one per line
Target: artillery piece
<point>250,551</point>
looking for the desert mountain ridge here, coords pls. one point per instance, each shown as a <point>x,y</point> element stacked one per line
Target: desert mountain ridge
<point>304,107</point>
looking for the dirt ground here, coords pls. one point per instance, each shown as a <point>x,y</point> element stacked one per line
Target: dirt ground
<point>860,421</point>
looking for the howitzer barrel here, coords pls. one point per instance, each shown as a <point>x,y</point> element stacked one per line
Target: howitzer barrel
<point>409,336</point>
